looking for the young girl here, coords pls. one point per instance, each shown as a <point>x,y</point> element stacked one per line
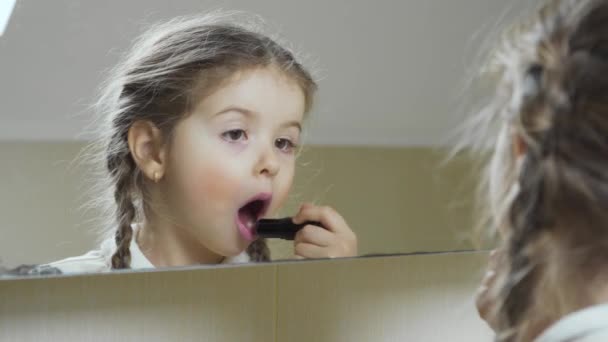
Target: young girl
<point>200,130</point>
<point>548,178</point>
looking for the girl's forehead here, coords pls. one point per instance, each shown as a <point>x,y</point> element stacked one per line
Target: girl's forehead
<point>260,90</point>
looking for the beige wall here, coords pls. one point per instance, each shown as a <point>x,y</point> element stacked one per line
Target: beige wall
<point>397,200</point>
<point>41,192</point>
<point>409,298</point>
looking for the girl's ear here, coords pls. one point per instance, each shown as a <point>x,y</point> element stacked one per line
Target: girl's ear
<point>148,150</point>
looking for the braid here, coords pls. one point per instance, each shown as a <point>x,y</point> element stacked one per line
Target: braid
<point>258,251</point>
<point>531,212</point>
<point>560,207</point>
<point>528,220</point>
<point>125,210</point>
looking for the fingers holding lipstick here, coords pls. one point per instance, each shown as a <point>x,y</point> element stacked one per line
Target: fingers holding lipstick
<point>334,240</point>
<point>327,216</point>
<point>305,250</point>
<point>315,235</point>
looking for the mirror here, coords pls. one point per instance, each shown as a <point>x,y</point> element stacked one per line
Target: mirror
<point>391,76</point>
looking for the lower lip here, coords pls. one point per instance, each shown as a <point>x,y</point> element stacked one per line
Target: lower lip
<point>246,233</point>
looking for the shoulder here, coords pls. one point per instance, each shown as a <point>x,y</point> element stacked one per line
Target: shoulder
<point>98,260</point>
<point>587,325</point>
<point>242,258</point>
<point>93,261</point>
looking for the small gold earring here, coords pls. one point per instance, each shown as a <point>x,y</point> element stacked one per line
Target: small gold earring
<point>155,177</point>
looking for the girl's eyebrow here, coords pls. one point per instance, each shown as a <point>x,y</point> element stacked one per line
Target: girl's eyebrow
<point>294,123</point>
<point>243,111</point>
<point>247,112</point>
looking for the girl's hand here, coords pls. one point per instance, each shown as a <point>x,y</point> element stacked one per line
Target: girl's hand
<point>334,240</point>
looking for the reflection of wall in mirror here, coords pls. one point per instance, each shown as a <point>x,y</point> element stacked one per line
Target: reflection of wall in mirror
<point>427,298</point>
<point>397,200</point>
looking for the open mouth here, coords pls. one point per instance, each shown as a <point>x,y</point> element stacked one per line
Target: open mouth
<point>250,213</point>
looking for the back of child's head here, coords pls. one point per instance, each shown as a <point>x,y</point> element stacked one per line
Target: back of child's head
<point>168,70</point>
<point>550,205</point>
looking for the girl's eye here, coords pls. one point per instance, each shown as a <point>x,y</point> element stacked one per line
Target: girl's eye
<point>285,145</point>
<point>235,135</point>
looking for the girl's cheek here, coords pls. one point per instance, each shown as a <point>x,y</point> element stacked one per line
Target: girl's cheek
<point>282,193</point>
<point>213,185</point>
<point>233,148</point>
<point>206,170</point>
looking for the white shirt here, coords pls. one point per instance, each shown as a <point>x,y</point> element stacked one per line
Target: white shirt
<point>587,325</point>
<point>99,260</point>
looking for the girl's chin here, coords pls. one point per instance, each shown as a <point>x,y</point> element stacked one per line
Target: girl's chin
<point>235,250</point>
